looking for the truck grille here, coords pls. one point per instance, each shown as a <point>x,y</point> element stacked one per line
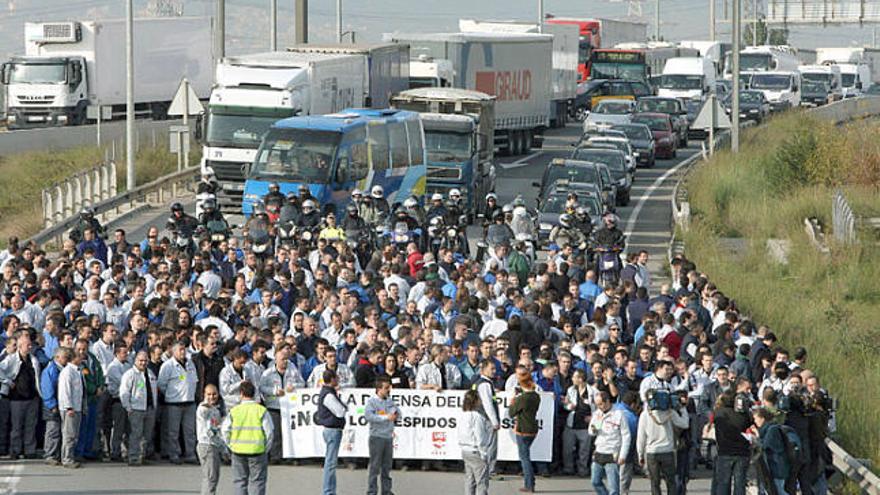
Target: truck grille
<point>228,171</point>
<point>447,173</point>
<point>36,100</point>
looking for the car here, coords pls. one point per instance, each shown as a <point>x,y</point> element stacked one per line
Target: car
<point>723,88</point>
<point>574,171</point>
<point>608,113</point>
<point>665,139</point>
<point>693,110</point>
<point>642,140</point>
<point>671,106</point>
<point>613,142</point>
<point>815,93</point>
<point>615,160</point>
<point>601,132</point>
<point>596,90</point>
<point>753,105</point>
<point>608,187</point>
<point>554,206</point>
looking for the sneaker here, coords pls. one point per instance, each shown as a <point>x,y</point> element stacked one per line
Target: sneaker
<point>72,465</point>
<point>52,462</point>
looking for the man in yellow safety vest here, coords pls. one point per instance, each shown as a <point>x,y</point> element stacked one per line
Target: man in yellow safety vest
<point>248,432</point>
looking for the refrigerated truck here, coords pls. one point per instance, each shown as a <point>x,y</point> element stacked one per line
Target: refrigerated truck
<point>514,68</point>
<point>252,92</point>
<point>564,77</point>
<point>69,66</point>
<point>387,68</point>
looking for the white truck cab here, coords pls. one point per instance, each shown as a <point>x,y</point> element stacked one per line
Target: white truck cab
<point>688,78</point>
<point>826,73</point>
<point>782,88</point>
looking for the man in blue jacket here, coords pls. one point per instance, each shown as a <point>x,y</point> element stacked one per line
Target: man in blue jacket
<point>49,393</point>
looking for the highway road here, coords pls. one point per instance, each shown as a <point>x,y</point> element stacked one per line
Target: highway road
<point>147,131</point>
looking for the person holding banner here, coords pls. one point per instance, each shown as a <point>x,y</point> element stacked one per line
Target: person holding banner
<point>381,413</point>
<point>330,415</point>
<point>473,438</point>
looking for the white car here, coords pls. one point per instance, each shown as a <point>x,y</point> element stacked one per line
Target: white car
<point>608,113</point>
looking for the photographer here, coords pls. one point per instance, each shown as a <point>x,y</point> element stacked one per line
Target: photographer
<point>732,463</point>
<point>664,412</point>
<point>820,411</point>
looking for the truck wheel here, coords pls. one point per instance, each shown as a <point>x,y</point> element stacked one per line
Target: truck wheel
<point>515,143</point>
<point>527,141</point>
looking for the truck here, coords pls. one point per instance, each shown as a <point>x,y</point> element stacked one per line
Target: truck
<point>600,33</point>
<point>828,74</point>
<point>564,78</point>
<point>764,58</point>
<point>514,68</point>
<point>387,68</point>
<point>69,66</point>
<point>782,88</point>
<point>716,51</point>
<point>252,92</point>
<point>688,78</point>
<point>459,125</point>
<point>428,72</point>
<point>859,66</point>
<point>636,61</point>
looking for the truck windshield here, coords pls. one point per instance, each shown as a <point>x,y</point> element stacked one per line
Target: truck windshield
<point>447,146</point>
<point>754,61</point>
<point>240,131</point>
<point>815,87</point>
<point>848,80</point>
<point>296,155</point>
<point>38,74</point>
<point>602,70</point>
<point>681,81</point>
<point>821,77</point>
<point>770,81</point>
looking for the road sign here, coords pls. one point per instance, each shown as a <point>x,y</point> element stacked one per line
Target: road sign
<point>704,118</point>
<point>186,101</point>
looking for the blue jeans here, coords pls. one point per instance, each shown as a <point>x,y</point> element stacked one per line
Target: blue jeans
<point>85,442</point>
<point>332,438</point>
<point>611,472</point>
<point>524,445</point>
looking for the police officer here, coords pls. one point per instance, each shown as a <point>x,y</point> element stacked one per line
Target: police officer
<point>210,213</point>
<point>437,209</point>
<point>87,220</point>
<point>352,220</point>
<point>179,221</point>
<point>248,432</point>
<point>274,199</point>
<point>311,217</point>
<point>378,195</point>
<point>208,183</point>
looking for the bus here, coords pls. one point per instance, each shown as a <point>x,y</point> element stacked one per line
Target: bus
<point>334,154</point>
<point>635,61</point>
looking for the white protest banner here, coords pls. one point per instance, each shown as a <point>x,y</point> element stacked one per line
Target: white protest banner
<point>426,429</point>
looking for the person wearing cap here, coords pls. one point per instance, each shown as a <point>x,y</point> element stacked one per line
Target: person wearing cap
<point>437,209</point>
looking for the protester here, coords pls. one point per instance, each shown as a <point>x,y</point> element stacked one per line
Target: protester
<point>71,395</point>
<point>51,413</point>
<point>474,439</point>
<point>139,398</point>
<point>524,410</point>
<point>330,415</point>
<point>612,443</point>
<point>656,439</point>
<point>247,431</point>
<point>211,444</point>
<point>381,413</point>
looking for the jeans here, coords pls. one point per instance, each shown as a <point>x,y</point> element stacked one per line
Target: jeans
<point>275,451</point>
<point>249,473</point>
<point>611,473</point>
<point>86,446</point>
<point>524,445</point>
<point>729,467</point>
<point>780,486</point>
<point>332,438</point>
<point>661,466</point>
<point>23,415</point>
<point>381,458</point>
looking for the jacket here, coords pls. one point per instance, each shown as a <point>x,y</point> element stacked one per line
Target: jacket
<point>331,411</point>
<point>656,432</point>
<point>230,383</point>
<point>611,432</point>
<point>429,374</point>
<point>773,447</point>
<point>377,412</point>
<point>729,426</point>
<point>71,390</point>
<point>49,385</point>
<point>178,381</point>
<point>266,424</point>
<point>208,422</point>
<point>580,407</point>
<point>113,376</point>
<point>208,371</point>
<point>133,390</point>
<point>474,434</point>
<point>9,368</point>
<point>316,378</point>
<point>271,380</point>
<point>524,408</point>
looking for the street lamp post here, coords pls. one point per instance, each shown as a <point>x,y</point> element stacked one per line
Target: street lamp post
<point>273,25</point>
<point>734,111</point>
<point>129,96</point>
<point>339,21</point>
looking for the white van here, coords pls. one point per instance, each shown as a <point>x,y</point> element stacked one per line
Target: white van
<point>782,89</point>
<point>826,73</point>
<point>856,78</point>
<point>687,78</point>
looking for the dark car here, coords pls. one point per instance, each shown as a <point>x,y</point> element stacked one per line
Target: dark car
<point>642,140</point>
<point>753,105</point>
<point>615,160</point>
<point>553,207</point>
<point>670,106</point>
<point>665,140</point>
<point>815,93</point>
<point>574,171</point>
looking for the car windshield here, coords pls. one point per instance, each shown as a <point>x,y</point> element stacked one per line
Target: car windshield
<point>614,160</point>
<point>38,74</point>
<point>573,174</point>
<point>244,131</point>
<point>680,81</point>
<point>751,97</point>
<point>815,87</point>
<point>613,108</point>
<point>848,80</point>
<point>635,132</point>
<point>296,155</point>
<point>658,106</point>
<point>619,145</point>
<point>770,81</point>
<point>554,204</point>
<point>655,123</point>
<point>447,146</point>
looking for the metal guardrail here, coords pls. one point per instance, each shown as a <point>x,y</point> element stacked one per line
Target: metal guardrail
<point>155,192</point>
<point>64,199</point>
<point>838,112</point>
<point>843,219</point>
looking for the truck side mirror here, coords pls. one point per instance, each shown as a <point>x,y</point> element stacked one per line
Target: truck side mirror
<point>536,184</point>
<point>858,84</point>
<point>199,130</point>
<point>5,73</point>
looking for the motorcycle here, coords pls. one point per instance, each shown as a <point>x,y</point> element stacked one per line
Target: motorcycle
<point>361,243</point>
<point>201,199</point>
<point>215,231</point>
<point>609,265</point>
<point>261,243</point>
<point>495,235</point>
<point>401,235</point>
<point>455,237</point>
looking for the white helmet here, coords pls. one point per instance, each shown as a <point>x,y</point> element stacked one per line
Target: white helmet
<point>356,192</point>
<point>410,202</point>
<point>436,197</point>
<point>454,193</point>
<point>308,204</point>
<point>377,192</point>
<point>208,172</point>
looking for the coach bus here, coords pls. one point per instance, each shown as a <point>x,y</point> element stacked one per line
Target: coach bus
<point>334,154</point>
<point>635,61</point>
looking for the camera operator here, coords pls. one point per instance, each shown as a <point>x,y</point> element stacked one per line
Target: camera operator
<point>663,414</point>
<point>820,411</point>
<point>804,474</point>
<point>732,463</point>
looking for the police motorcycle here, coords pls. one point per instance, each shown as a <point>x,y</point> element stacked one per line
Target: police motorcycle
<point>609,243</point>
<point>401,229</point>
<point>497,232</point>
<point>523,226</point>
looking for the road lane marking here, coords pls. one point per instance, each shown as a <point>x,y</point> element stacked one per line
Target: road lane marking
<point>10,482</point>
<point>522,162</point>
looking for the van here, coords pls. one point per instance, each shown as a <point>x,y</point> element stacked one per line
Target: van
<point>782,89</point>
<point>687,78</point>
<point>829,74</point>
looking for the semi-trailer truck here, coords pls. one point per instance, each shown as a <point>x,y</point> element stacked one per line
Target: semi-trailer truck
<point>859,66</point>
<point>69,66</point>
<point>514,68</point>
<point>600,33</point>
<point>252,92</point>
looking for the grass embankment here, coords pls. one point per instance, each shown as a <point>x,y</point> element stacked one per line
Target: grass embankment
<point>787,171</point>
<point>24,175</point>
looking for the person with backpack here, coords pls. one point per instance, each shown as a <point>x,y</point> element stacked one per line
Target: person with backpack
<point>780,446</point>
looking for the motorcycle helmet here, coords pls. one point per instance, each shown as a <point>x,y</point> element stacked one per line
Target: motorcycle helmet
<point>352,210</point>
<point>565,220</point>
<point>308,206</point>
<point>455,194</point>
<point>610,219</point>
<point>507,210</point>
<point>492,197</point>
<point>436,197</point>
<point>176,208</point>
<point>304,191</point>
<point>410,203</point>
<point>291,197</point>
<point>356,194</point>
<point>210,204</point>
<point>274,187</point>
<point>87,213</point>
<point>208,173</point>
<point>582,213</point>
<point>519,202</point>
<point>436,221</point>
<point>259,208</point>
<point>497,215</point>
<point>377,192</point>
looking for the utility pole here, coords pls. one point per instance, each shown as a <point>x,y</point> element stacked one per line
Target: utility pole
<point>302,22</point>
<point>712,95</point>
<point>273,25</point>
<point>657,20</point>
<point>540,16</point>
<point>221,29</point>
<point>734,120</point>
<point>712,20</point>
<point>755,23</point>
<point>129,96</point>
<point>339,21</point>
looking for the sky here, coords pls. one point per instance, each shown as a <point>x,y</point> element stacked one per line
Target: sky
<point>248,24</point>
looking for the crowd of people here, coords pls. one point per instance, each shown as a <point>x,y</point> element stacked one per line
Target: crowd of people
<point>144,350</point>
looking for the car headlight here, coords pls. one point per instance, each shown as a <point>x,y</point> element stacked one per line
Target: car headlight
<point>754,110</point>
<point>546,226</point>
<point>11,119</point>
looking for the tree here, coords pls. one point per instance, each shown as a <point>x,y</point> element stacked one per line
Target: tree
<point>778,36</point>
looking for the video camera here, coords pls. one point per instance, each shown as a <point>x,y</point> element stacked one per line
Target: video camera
<point>743,402</point>
<point>663,400</point>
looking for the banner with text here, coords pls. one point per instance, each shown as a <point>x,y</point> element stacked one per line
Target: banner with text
<point>426,428</point>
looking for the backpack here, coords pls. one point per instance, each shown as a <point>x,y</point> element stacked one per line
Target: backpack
<point>794,451</point>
